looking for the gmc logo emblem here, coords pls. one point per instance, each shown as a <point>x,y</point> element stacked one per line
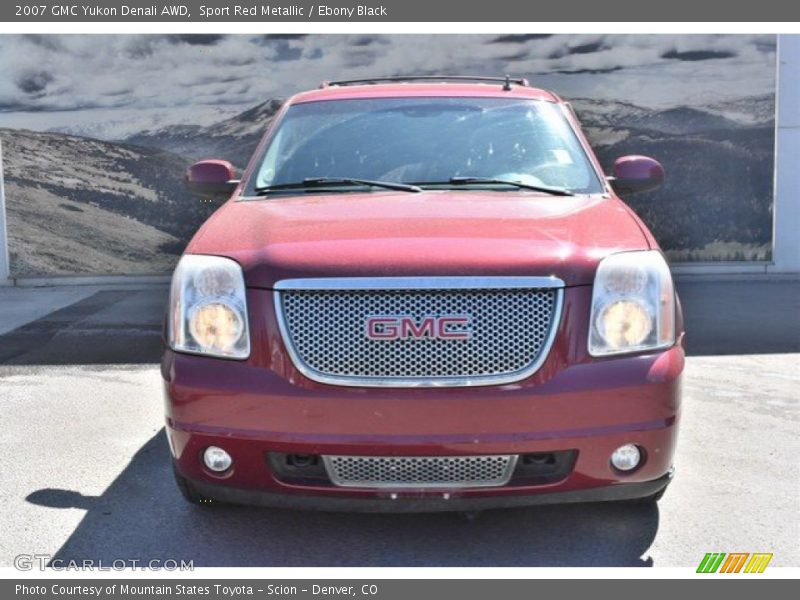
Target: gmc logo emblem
<point>404,327</point>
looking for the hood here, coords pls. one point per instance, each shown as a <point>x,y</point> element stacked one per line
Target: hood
<point>381,234</point>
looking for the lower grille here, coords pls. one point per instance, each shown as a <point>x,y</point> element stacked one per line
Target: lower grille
<point>420,471</point>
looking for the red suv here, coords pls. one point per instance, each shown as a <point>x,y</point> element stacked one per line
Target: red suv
<point>423,295</point>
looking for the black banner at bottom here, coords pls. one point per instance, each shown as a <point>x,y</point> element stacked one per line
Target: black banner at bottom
<point>375,589</point>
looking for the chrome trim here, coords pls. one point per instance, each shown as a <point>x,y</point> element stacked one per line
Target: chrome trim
<point>418,283</point>
<point>503,480</point>
<point>422,283</point>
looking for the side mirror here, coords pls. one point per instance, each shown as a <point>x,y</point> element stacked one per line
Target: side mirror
<point>633,174</point>
<point>211,178</point>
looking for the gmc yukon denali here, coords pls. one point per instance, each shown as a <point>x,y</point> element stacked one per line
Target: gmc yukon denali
<point>423,294</point>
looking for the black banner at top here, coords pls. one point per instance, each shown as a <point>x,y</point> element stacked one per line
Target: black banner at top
<point>333,11</point>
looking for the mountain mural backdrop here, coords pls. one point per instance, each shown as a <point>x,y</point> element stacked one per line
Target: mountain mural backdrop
<point>89,191</point>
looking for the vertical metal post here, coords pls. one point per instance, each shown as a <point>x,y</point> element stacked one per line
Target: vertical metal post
<point>5,267</point>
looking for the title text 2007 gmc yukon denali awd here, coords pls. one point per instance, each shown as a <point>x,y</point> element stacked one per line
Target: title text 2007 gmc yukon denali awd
<point>423,295</point>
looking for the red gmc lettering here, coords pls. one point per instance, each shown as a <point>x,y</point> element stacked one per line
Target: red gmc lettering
<point>409,329</point>
<point>382,328</point>
<point>462,333</point>
<point>393,328</point>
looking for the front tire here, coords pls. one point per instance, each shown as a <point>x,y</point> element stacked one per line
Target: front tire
<point>188,492</point>
<point>652,498</point>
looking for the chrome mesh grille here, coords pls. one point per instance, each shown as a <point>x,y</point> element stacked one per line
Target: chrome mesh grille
<point>325,332</point>
<point>419,471</point>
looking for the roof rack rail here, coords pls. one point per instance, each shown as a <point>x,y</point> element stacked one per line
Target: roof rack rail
<point>507,81</point>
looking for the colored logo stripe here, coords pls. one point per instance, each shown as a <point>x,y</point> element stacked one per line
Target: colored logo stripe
<point>758,562</point>
<point>735,561</point>
<point>711,562</point>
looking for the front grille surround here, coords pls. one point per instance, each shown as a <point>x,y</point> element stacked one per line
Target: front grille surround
<point>420,472</point>
<point>342,355</point>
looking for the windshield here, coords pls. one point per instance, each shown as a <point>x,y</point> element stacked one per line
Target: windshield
<point>428,142</point>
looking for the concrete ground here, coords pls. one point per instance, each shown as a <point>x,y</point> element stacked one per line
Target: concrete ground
<point>21,305</point>
<point>81,325</point>
<point>82,418</point>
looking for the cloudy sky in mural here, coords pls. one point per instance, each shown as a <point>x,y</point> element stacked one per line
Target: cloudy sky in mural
<point>118,82</point>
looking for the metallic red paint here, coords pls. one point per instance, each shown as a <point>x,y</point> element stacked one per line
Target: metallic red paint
<point>573,402</point>
<point>399,234</point>
<point>211,171</point>
<point>637,174</point>
<point>638,167</point>
<point>211,177</point>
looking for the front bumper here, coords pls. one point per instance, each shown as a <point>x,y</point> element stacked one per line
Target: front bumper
<point>591,422</point>
<point>407,503</point>
<point>573,403</point>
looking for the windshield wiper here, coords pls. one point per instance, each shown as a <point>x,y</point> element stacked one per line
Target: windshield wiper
<point>518,184</point>
<point>312,182</point>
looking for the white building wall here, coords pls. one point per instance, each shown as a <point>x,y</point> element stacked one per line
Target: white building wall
<point>786,237</point>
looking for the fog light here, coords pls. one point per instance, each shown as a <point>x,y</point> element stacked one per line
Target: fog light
<point>626,458</point>
<point>217,459</point>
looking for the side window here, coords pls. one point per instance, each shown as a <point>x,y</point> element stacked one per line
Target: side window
<point>272,158</point>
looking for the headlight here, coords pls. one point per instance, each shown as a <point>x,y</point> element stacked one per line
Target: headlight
<point>633,304</point>
<point>208,308</point>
